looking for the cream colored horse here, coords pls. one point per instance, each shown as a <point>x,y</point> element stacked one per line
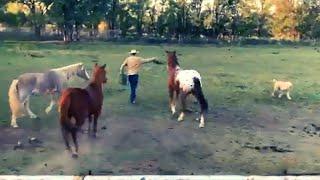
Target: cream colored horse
<point>50,82</point>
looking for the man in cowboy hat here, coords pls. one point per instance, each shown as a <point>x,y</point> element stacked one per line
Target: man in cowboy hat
<point>133,64</point>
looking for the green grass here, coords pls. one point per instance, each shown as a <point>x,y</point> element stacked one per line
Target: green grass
<point>222,71</point>
<point>238,79</point>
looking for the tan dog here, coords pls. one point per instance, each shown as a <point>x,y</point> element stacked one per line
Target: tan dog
<point>282,87</point>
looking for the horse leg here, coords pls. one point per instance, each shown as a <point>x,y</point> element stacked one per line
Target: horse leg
<point>27,106</point>
<point>52,103</point>
<point>197,92</point>
<point>183,97</point>
<point>177,92</point>
<point>201,125</point>
<point>14,121</point>
<point>172,101</point>
<point>95,122</point>
<point>65,134</point>
<point>75,141</point>
<point>89,124</point>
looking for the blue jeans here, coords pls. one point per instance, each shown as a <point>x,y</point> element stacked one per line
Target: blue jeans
<point>133,81</point>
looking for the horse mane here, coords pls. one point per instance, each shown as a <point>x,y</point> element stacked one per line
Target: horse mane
<point>69,67</point>
<point>93,80</point>
<point>69,70</point>
<point>173,61</point>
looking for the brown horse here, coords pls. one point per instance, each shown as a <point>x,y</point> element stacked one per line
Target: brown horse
<point>183,83</point>
<point>76,105</point>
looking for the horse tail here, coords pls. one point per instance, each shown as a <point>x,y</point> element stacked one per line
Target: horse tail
<point>199,95</point>
<point>17,87</point>
<point>16,106</point>
<point>64,105</point>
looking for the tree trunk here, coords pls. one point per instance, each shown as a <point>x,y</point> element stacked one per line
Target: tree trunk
<point>35,25</point>
<point>216,26</point>
<point>37,31</point>
<point>113,16</point>
<point>68,33</point>
<point>77,31</point>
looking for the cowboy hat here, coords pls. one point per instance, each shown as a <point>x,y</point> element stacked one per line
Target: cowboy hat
<point>133,51</point>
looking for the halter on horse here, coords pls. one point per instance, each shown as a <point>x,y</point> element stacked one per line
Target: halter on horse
<point>50,82</point>
<point>183,83</point>
<point>76,105</point>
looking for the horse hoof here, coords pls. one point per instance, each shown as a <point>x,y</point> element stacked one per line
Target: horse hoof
<point>180,119</point>
<point>15,126</point>
<point>33,116</point>
<point>47,110</point>
<point>201,125</point>
<point>75,155</point>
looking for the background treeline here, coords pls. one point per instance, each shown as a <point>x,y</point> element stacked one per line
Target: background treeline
<point>171,19</point>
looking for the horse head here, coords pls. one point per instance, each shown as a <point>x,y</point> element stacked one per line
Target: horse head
<point>172,59</point>
<point>99,74</point>
<point>82,72</point>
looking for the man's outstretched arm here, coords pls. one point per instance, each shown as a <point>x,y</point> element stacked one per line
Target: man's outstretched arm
<point>147,60</point>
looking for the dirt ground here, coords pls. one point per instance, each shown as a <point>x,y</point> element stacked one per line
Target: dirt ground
<point>247,131</point>
<point>233,142</point>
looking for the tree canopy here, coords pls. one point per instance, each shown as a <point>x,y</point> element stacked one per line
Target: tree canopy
<point>226,19</point>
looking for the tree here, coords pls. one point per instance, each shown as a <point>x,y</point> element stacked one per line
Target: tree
<point>113,9</point>
<point>14,16</point>
<point>256,17</point>
<point>220,17</point>
<point>138,11</point>
<point>125,19</point>
<point>37,13</point>
<point>284,21</point>
<point>196,17</point>
<point>309,20</point>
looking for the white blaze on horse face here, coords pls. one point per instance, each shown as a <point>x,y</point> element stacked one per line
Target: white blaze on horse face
<point>87,74</point>
<point>185,78</point>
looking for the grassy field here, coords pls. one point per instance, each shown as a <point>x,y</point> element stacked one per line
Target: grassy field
<point>243,119</point>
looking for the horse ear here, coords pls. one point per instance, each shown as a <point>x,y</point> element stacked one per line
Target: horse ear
<point>95,64</point>
<point>166,51</point>
<point>104,66</point>
<point>174,52</point>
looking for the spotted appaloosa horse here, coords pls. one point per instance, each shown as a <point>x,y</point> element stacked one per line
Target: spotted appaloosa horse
<point>76,105</point>
<point>183,83</point>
